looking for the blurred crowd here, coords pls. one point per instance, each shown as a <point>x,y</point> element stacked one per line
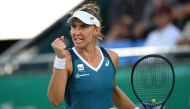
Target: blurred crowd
<point>137,23</point>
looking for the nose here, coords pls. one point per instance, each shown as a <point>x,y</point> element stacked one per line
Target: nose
<point>77,31</point>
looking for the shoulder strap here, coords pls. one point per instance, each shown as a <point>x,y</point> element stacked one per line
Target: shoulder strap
<point>105,53</point>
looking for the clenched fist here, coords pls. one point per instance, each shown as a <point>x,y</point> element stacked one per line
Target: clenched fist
<point>59,47</point>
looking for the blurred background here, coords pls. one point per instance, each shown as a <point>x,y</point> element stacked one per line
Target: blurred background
<point>132,28</point>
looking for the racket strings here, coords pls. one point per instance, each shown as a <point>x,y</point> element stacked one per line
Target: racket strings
<point>153,79</point>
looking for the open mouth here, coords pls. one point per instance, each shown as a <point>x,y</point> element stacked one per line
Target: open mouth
<point>78,40</point>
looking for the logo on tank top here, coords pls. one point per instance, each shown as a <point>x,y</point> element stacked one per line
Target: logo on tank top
<point>107,63</point>
<point>81,72</point>
<point>80,67</point>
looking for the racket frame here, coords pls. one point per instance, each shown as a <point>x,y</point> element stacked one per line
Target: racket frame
<point>173,83</point>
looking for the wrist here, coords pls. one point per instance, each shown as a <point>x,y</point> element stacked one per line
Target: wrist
<point>60,56</point>
<point>59,63</point>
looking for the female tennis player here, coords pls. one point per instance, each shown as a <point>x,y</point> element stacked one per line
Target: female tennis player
<point>84,76</point>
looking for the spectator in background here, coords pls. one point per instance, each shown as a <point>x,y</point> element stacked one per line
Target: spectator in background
<point>181,14</point>
<point>133,9</point>
<point>138,10</point>
<point>120,30</point>
<point>185,40</point>
<point>125,30</point>
<point>130,8</point>
<point>150,5</point>
<point>165,33</point>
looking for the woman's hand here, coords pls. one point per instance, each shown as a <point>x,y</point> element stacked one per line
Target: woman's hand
<point>59,47</point>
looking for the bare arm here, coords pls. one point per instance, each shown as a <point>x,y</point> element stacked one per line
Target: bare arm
<point>57,86</point>
<point>119,97</point>
<point>56,89</point>
<point>121,100</point>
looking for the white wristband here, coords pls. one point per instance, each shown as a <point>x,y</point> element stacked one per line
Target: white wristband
<point>59,63</point>
<point>137,108</point>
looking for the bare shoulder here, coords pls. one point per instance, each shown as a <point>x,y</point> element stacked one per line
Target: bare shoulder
<point>112,53</point>
<point>114,57</point>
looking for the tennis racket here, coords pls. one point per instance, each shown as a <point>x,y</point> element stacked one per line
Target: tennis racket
<point>152,80</point>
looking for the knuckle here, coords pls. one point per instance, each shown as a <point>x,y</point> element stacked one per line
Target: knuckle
<point>52,45</point>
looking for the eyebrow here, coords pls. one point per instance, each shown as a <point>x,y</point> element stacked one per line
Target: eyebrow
<point>86,25</point>
<point>83,24</point>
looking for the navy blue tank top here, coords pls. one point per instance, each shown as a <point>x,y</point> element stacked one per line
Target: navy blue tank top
<point>89,87</point>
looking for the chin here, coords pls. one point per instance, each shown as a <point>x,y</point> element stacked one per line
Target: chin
<point>78,46</point>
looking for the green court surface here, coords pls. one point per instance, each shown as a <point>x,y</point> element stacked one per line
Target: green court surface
<point>29,90</point>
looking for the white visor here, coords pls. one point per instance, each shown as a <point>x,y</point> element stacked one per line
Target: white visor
<point>85,17</point>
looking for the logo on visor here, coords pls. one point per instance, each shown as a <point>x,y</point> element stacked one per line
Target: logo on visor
<point>92,18</point>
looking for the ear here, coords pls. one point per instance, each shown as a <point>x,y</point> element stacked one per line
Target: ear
<point>97,31</point>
